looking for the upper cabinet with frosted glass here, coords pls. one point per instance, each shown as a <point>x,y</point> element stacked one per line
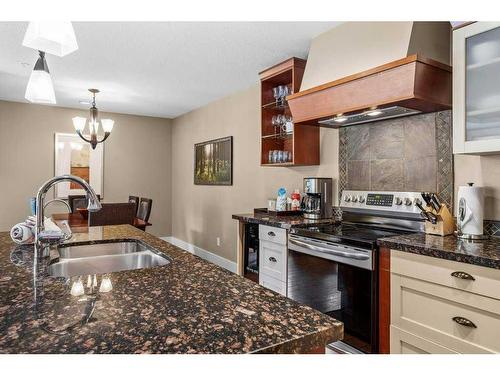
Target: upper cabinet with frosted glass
<point>476,88</point>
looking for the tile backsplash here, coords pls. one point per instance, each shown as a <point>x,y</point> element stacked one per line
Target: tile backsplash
<point>406,154</point>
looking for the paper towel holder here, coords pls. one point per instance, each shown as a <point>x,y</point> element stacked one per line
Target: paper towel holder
<point>461,216</point>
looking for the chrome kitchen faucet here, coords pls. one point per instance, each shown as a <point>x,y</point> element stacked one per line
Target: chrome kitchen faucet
<point>93,206</point>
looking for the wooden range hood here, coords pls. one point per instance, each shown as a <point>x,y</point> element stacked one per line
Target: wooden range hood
<point>402,87</point>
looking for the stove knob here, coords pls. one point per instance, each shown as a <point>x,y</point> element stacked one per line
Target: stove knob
<point>417,201</point>
<point>354,198</point>
<point>347,198</point>
<point>398,201</point>
<point>407,201</point>
<point>361,198</point>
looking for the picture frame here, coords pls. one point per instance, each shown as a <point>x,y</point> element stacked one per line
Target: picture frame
<point>213,162</point>
<point>72,155</point>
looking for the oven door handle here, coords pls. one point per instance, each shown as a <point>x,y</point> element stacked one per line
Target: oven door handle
<point>339,253</point>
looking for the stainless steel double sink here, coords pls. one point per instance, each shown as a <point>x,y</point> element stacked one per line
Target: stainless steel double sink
<point>102,258</point>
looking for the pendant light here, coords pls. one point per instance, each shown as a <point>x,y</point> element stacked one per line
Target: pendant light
<point>40,88</point>
<point>53,37</point>
<point>80,122</point>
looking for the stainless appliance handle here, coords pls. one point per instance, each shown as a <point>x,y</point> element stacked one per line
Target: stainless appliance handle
<point>339,253</point>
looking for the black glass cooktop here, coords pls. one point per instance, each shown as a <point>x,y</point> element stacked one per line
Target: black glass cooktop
<point>347,232</point>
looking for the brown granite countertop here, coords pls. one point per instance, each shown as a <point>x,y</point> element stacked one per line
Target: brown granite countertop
<point>187,306</point>
<point>286,222</point>
<point>482,253</point>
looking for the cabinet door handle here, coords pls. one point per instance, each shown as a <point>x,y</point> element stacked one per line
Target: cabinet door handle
<point>271,234</point>
<point>463,322</point>
<point>462,275</point>
<point>272,259</point>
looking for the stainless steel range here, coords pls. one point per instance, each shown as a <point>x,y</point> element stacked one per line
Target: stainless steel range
<point>333,268</point>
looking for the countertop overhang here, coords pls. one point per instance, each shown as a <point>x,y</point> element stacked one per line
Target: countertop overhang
<point>188,306</point>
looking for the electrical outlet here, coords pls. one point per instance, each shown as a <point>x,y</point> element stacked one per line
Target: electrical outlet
<point>218,241</point>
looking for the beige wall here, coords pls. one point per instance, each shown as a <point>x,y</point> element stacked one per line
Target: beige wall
<point>482,171</point>
<point>136,159</point>
<point>200,214</point>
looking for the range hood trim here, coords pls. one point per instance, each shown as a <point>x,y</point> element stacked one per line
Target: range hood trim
<point>419,84</point>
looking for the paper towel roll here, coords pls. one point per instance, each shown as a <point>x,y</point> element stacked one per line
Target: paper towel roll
<point>21,233</point>
<point>471,201</point>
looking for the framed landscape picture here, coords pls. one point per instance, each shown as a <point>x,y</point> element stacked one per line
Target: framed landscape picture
<point>213,162</point>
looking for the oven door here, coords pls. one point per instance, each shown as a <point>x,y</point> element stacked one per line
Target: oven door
<point>339,281</point>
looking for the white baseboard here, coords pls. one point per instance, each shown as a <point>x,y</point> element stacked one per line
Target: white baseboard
<point>202,253</point>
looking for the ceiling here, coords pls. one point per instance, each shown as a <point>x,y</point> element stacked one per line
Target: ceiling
<point>161,69</point>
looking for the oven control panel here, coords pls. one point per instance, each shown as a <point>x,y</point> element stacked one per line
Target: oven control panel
<point>385,200</point>
<point>394,201</point>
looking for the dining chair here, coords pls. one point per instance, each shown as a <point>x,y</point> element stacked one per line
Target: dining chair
<point>78,201</point>
<point>135,200</point>
<point>113,214</point>
<point>144,209</point>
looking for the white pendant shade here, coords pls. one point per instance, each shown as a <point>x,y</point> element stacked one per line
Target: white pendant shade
<point>107,125</point>
<point>56,38</point>
<point>79,123</point>
<point>40,88</point>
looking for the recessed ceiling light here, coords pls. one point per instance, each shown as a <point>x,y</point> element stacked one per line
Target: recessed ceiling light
<point>84,102</point>
<point>373,111</point>
<point>340,118</point>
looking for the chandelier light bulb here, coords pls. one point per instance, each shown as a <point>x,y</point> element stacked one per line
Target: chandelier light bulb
<point>107,125</point>
<point>79,123</point>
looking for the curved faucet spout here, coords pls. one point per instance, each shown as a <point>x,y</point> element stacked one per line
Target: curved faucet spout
<point>93,206</point>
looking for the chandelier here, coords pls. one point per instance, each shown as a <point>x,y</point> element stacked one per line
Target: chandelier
<point>80,122</point>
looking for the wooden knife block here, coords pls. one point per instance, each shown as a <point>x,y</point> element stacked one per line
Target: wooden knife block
<point>445,224</point>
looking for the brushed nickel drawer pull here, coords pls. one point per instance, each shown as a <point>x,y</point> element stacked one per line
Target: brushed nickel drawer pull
<point>272,259</point>
<point>464,322</point>
<point>463,275</point>
<point>271,234</point>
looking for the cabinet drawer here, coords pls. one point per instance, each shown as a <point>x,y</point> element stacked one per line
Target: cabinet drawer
<point>430,311</point>
<point>273,234</point>
<point>403,342</point>
<point>273,284</point>
<point>272,260</point>
<point>478,280</point>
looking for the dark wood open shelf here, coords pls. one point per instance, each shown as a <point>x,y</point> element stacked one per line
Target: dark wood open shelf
<point>303,141</point>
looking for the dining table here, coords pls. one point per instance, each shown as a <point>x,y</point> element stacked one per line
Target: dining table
<point>79,224</point>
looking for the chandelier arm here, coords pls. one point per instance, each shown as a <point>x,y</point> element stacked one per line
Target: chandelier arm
<point>82,137</point>
<point>106,135</point>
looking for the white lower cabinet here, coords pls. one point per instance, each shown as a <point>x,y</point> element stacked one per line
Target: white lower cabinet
<point>403,342</point>
<point>441,306</point>
<point>273,258</point>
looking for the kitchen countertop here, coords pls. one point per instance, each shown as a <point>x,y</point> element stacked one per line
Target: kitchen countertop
<point>187,306</point>
<point>481,253</point>
<point>286,222</point>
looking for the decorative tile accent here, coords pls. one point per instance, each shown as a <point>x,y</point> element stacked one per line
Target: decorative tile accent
<point>342,161</point>
<point>444,153</point>
<point>491,228</point>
